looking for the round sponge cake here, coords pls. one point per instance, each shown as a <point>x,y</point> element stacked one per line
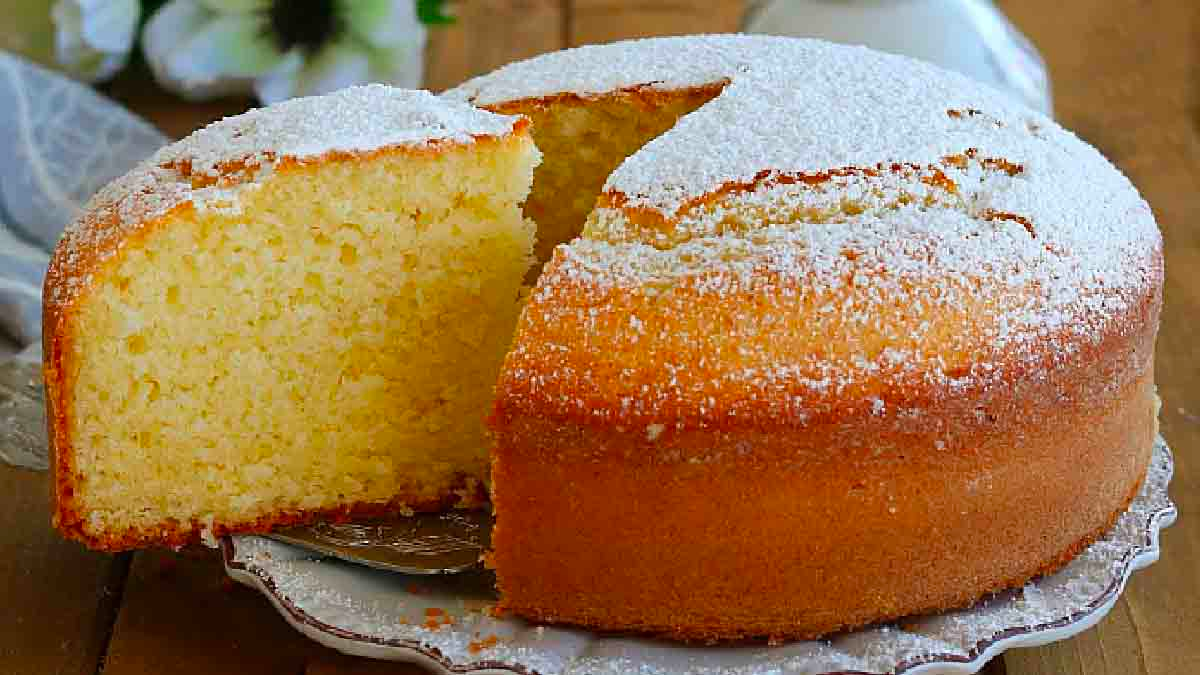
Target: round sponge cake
<point>834,337</point>
<point>855,338</point>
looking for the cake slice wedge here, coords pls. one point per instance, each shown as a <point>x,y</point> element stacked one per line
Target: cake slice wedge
<point>294,313</point>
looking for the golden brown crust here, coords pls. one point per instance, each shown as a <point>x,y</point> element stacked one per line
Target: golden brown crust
<point>467,493</point>
<point>646,96</point>
<point>800,547</point>
<point>784,631</point>
<point>92,246</point>
<point>972,387</point>
<point>726,447</point>
<point>738,519</point>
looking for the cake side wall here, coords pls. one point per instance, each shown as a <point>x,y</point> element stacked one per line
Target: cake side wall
<point>799,530</point>
<point>734,549</point>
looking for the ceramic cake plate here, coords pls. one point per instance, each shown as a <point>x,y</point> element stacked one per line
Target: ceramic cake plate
<point>444,622</point>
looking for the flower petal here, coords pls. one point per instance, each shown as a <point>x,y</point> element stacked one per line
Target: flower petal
<point>238,6</point>
<point>168,28</point>
<point>90,57</point>
<point>229,44</point>
<point>280,83</point>
<point>401,66</point>
<point>109,26</point>
<point>68,31</point>
<point>382,23</point>
<point>200,54</point>
<point>336,66</point>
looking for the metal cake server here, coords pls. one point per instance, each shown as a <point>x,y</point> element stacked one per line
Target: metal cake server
<point>423,543</point>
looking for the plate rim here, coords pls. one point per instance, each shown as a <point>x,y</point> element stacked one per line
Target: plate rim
<point>1143,554</point>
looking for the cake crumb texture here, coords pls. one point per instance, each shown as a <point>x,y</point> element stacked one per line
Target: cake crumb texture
<point>300,334</point>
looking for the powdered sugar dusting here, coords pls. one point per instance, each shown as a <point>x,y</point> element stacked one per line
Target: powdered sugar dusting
<point>210,167</point>
<point>661,63</point>
<point>872,199</point>
<point>356,119</point>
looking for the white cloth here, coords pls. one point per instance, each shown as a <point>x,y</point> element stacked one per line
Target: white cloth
<point>60,141</point>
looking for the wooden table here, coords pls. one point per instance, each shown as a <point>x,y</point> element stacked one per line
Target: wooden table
<point>1126,79</point>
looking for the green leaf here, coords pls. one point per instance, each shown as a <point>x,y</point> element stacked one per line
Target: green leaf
<point>433,12</point>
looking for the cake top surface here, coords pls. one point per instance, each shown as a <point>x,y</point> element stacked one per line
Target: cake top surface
<point>356,119</point>
<point>806,124</point>
<point>915,220</point>
<point>211,164</point>
<point>660,63</point>
<point>792,106</point>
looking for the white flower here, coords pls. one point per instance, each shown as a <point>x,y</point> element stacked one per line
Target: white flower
<point>280,49</point>
<point>93,38</point>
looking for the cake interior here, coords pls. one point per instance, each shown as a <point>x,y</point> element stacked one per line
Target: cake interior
<point>332,347</point>
<point>334,343</point>
<point>583,140</point>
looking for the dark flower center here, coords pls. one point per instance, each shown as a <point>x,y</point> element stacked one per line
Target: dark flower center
<point>307,25</point>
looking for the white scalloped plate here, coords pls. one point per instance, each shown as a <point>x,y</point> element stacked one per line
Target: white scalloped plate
<point>383,615</point>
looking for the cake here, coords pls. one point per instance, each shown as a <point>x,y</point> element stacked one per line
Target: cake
<point>821,337</point>
<point>294,313</point>
<point>854,338</point>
